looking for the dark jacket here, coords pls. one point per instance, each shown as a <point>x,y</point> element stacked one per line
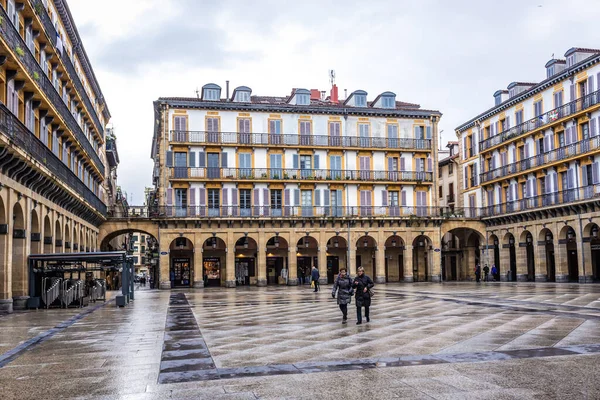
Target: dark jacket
<point>343,286</point>
<point>315,274</point>
<point>363,299</point>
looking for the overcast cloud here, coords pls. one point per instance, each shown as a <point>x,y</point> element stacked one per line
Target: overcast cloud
<point>445,55</point>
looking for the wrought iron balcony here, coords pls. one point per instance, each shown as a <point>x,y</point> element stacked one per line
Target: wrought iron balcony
<point>112,154</point>
<point>269,139</point>
<point>450,198</point>
<point>545,119</point>
<point>581,194</point>
<point>196,212</point>
<point>28,142</point>
<point>256,174</point>
<point>14,40</point>
<point>51,31</point>
<point>546,159</point>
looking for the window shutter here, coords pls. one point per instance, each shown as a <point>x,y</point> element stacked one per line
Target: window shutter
<point>574,133</point>
<point>508,122</point>
<point>225,199</point>
<point>466,177</point>
<point>402,164</point>
<point>428,132</point>
<point>286,197</point>
<point>256,202</point>
<point>429,164</point>
<point>390,164</point>
<point>475,175</point>
<point>596,173</point>
<point>534,186</point>
<point>295,162</point>
<point>465,148</point>
<point>266,197</point>
<point>591,84</point>
<point>547,184</point>
<point>201,159</point>
<point>192,159</point>
<point>169,158</point>
<point>584,179</point>
<point>316,161</point>
<point>317,197</point>
<point>404,197</point>
<point>169,197</point>
<point>234,197</point>
<point>592,127</point>
<point>572,90</point>
<point>202,196</point>
<point>384,198</point>
<point>297,197</point>
<point>571,178</point>
<point>526,150</point>
<point>271,126</point>
<point>326,195</point>
<point>224,160</point>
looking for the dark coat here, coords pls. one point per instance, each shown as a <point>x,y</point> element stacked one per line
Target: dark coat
<point>363,299</point>
<point>343,286</point>
<point>315,274</point>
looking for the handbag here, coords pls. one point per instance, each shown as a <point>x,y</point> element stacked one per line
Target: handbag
<point>371,293</point>
<point>312,284</point>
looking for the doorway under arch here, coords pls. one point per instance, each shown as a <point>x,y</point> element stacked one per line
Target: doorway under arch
<point>277,260</point>
<point>181,256</point>
<point>394,259</point>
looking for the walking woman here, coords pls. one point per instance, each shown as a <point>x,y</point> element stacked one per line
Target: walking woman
<point>362,284</point>
<point>343,287</point>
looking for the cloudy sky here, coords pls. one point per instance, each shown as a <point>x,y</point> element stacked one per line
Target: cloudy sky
<point>445,55</point>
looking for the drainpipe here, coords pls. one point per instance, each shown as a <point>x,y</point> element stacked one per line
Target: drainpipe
<point>582,247</point>
<point>348,261</point>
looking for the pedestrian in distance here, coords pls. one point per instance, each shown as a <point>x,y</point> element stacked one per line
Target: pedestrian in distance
<point>343,287</point>
<point>362,283</point>
<point>314,276</point>
<point>486,273</point>
<point>478,273</point>
<point>494,272</point>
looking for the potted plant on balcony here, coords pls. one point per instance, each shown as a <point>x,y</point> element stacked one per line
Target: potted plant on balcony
<point>286,176</point>
<point>264,175</point>
<point>19,51</point>
<point>294,176</point>
<point>275,176</point>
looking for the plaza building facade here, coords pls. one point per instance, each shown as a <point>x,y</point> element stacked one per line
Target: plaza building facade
<point>52,147</point>
<point>256,190</point>
<point>531,162</point>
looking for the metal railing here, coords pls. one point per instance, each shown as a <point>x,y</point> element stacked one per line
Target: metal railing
<point>98,290</point>
<point>52,34</point>
<point>27,141</point>
<point>546,159</point>
<point>51,288</point>
<point>450,198</point>
<point>14,40</point>
<point>591,192</point>
<point>297,173</point>
<point>547,118</point>
<point>72,290</point>
<point>300,211</point>
<point>253,139</point>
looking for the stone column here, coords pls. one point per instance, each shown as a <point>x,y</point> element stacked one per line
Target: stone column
<point>380,258</point>
<point>198,263</point>
<point>6,301</point>
<point>504,262</point>
<point>468,263</point>
<point>292,265</point>
<point>436,263</point>
<point>230,261</point>
<point>587,256</point>
<point>352,260</point>
<point>521,253</point>
<point>408,264</point>
<point>541,267</point>
<point>561,258</point>
<point>261,260</point>
<point>164,262</point>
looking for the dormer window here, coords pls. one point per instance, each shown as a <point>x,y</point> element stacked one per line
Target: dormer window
<point>302,99</point>
<point>570,60</point>
<point>360,100</point>
<point>211,92</point>
<point>243,97</point>
<point>388,102</point>
<point>242,94</point>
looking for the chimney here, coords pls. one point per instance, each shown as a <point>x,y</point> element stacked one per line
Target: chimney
<point>323,94</point>
<point>334,94</point>
<point>315,94</point>
<point>227,89</point>
<point>345,94</point>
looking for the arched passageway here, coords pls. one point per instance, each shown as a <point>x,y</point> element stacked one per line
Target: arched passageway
<point>181,255</point>
<point>546,255</point>
<point>277,260</point>
<point>19,259</point>
<point>394,259</point>
<point>48,239</point>
<point>526,254</point>
<point>35,246</point>
<point>509,257</point>
<point>594,250</point>
<point>422,258</point>
<point>213,261</point>
<point>307,257</point>
<point>570,260</point>
<point>366,246</point>
<point>246,261</point>
<point>337,254</point>
<point>461,252</point>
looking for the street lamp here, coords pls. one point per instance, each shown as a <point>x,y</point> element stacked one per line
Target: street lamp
<point>277,239</point>
<point>548,237</point>
<point>214,241</point>
<point>365,243</point>
<point>511,241</point>
<point>246,240</point>
<point>595,232</point>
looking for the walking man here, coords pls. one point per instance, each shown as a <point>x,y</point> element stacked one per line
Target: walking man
<point>315,278</point>
<point>486,273</point>
<point>477,273</point>
<point>494,272</point>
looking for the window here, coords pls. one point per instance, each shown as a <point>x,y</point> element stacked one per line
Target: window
<point>245,164</point>
<point>360,100</point>
<point>180,202</point>
<point>450,168</point>
<point>276,204</point>
<point>306,166</point>
<point>558,99</point>
<point>211,94</point>
<point>305,132</point>
<point>213,202</point>
<point>335,165</point>
<point>388,102</point>
<point>441,192</point>
<point>550,72</point>
<point>519,117</point>
<point>276,171</point>
<point>212,127</point>
<point>302,99</point>
<point>306,203</point>
<point>363,130</point>
<point>419,132</point>
<point>275,131</point>
<point>392,134</point>
<point>243,97</point>
<point>245,202</point>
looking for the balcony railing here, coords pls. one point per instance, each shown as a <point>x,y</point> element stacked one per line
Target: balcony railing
<point>297,174</point>
<point>574,149</point>
<point>51,31</point>
<point>253,139</point>
<point>450,198</point>
<point>409,212</point>
<point>28,142</point>
<point>14,40</point>
<point>545,119</point>
<point>591,192</point>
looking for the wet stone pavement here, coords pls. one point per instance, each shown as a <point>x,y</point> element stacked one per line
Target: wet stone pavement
<point>424,341</point>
